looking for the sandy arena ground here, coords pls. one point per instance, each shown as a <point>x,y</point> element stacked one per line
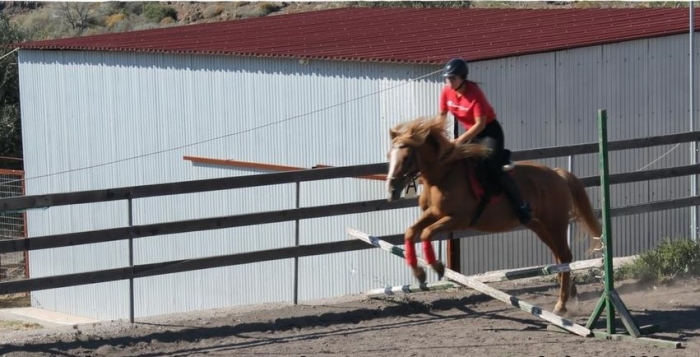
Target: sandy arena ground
<point>454,322</point>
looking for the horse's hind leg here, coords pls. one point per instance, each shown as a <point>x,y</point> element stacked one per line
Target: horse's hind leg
<point>555,239</point>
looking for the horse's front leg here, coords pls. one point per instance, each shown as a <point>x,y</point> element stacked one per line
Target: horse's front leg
<point>416,229</point>
<point>444,224</point>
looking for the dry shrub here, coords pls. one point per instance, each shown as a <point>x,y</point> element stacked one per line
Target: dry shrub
<point>268,7</point>
<point>112,20</point>
<point>213,11</point>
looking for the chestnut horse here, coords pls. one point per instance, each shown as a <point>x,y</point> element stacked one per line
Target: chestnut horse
<point>448,202</point>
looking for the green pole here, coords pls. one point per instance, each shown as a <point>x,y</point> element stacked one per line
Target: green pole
<point>605,302</point>
<point>606,239</point>
<point>610,301</point>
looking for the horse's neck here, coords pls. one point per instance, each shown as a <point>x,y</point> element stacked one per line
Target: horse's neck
<point>430,167</point>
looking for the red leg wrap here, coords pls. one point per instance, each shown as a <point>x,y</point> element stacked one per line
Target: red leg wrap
<point>428,252</point>
<point>410,254</point>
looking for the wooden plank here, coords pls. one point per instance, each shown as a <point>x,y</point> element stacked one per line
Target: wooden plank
<point>591,148</point>
<point>599,334</point>
<point>644,330</point>
<point>58,281</point>
<point>244,164</point>
<point>410,288</point>
<point>177,266</point>
<point>114,234</point>
<point>24,202</point>
<point>617,212</point>
<point>11,172</point>
<point>529,272</point>
<point>59,199</point>
<point>491,277</point>
<point>646,175</point>
<point>175,188</point>
<point>266,167</point>
<point>654,206</point>
<point>481,287</point>
<point>378,177</point>
<point>522,305</point>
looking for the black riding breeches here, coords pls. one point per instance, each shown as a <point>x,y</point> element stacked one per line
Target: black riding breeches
<point>492,137</point>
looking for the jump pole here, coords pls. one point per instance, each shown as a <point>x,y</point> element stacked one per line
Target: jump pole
<point>410,288</point>
<point>481,287</point>
<point>492,277</point>
<point>610,301</point>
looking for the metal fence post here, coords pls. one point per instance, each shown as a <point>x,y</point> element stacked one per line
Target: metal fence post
<point>570,229</point>
<point>296,244</point>
<point>131,261</point>
<point>691,115</point>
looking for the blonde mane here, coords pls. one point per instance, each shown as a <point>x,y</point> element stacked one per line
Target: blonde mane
<point>415,132</point>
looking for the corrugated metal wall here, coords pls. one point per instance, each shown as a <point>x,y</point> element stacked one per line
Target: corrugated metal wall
<point>84,109</point>
<point>116,106</point>
<point>551,99</point>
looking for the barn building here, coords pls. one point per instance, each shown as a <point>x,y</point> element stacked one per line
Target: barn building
<point>323,88</point>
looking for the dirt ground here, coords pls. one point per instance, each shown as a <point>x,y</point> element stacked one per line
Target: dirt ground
<point>454,322</point>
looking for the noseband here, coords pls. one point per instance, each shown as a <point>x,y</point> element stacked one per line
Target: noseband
<point>408,176</point>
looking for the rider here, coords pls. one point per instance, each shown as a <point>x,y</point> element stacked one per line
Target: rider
<point>468,104</point>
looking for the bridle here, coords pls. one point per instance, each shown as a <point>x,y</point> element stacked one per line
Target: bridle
<point>408,176</point>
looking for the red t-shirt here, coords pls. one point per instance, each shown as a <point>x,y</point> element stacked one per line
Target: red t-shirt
<point>468,106</point>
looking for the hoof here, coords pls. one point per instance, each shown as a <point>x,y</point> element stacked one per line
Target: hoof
<point>439,269</point>
<point>419,273</point>
<point>560,309</point>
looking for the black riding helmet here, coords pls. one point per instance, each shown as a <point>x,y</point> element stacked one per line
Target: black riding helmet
<point>456,67</point>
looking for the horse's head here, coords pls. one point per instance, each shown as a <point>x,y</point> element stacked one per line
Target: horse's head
<point>423,144</point>
<point>406,139</point>
<point>402,166</point>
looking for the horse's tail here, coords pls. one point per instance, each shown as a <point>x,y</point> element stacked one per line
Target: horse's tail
<point>582,209</point>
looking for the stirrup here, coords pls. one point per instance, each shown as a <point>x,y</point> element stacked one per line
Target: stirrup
<point>509,166</point>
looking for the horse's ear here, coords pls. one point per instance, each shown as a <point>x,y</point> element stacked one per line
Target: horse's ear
<point>393,133</point>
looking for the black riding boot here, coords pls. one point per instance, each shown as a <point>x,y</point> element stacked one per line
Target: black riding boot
<point>522,208</point>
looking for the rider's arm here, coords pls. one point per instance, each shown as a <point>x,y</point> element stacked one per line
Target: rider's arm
<point>473,131</point>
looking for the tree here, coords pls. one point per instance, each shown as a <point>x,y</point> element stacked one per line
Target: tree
<point>76,13</point>
<point>10,127</point>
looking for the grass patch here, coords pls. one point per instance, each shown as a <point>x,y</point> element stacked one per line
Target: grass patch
<point>669,260</point>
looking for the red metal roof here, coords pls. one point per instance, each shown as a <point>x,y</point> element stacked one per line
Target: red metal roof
<point>394,34</point>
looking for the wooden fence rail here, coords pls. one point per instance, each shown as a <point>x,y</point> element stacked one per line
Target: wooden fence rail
<point>129,193</point>
<point>176,188</point>
<point>591,148</point>
<point>149,230</point>
<point>183,265</point>
<point>194,186</point>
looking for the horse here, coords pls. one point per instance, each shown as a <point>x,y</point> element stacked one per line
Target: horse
<point>449,199</point>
